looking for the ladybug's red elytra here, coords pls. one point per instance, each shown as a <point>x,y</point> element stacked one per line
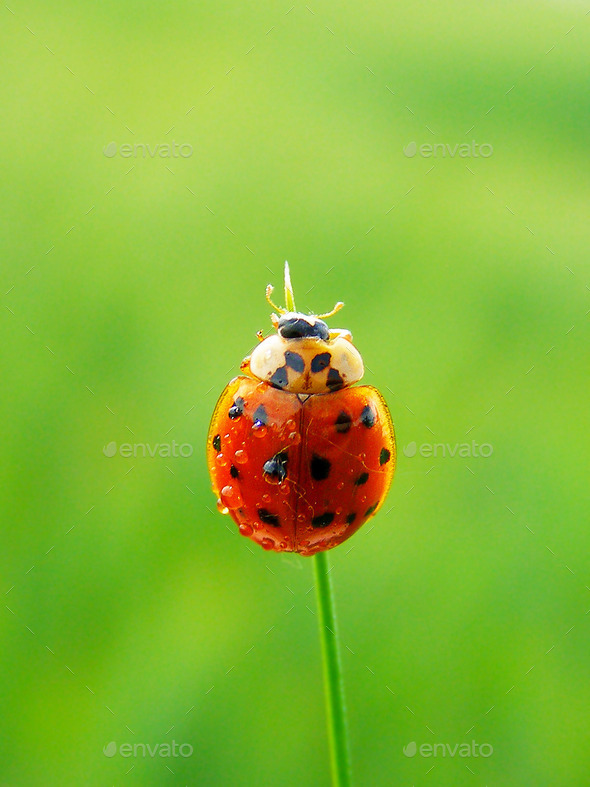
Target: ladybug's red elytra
<point>298,457</point>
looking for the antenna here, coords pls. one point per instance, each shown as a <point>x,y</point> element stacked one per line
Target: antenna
<point>290,298</point>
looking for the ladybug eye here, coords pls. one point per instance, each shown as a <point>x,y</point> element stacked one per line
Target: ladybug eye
<point>299,327</point>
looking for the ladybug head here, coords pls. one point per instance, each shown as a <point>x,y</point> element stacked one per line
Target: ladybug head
<point>305,356</point>
<point>294,325</point>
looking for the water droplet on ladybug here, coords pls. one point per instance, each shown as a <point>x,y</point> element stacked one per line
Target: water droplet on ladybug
<point>295,438</point>
<point>340,485</point>
<point>285,488</point>
<point>266,499</point>
<point>246,529</point>
<point>231,497</point>
<point>221,508</point>
<point>259,429</point>
<point>221,460</point>
<point>364,499</point>
<point>267,543</point>
<point>338,511</point>
<point>241,457</point>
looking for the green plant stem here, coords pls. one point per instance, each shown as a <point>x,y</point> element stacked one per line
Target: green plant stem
<point>333,685</point>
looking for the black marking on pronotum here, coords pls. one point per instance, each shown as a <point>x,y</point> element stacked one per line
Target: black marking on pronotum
<point>298,327</point>
<point>260,416</point>
<point>384,456</point>
<point>350,519</point>
<point>320,361</point>
<point>237,408</point>
<point>279,378</point>
<point>268,518</point>
<point>320,467</point>
<point>276,467</point>
<point>371,509</point>
<point>217,442</point>
<point>334,380</point>
<point>368,416</point>
<point>323,520</point>
<point>234,472</point>
<point>343,422</point>
<point>362,479</point>
<point>295,361</point>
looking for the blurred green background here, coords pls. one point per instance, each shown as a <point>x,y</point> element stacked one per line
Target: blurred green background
<point>133,285</point>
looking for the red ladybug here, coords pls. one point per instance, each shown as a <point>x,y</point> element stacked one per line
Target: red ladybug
<point>298,457</point>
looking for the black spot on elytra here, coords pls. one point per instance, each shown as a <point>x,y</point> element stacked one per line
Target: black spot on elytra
<point>217,442</point>
<point>368,416</point>
<point>362,479</point>
<point>279,378</point>
<point>320,362</point>
<point>350,519</point>
<point>268,518</point>
<point>371,509</point>
<point>260,416</point>
<point>320,467</point>
<point>323,520</point>
<point>237,408</point>
<point>384,456</point>
<point>334,380</point>
<point>276,467</point>
<point>295,361</point>
<point>343,422</point>
<point>234,472</point>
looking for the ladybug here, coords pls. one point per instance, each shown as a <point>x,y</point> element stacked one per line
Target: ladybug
<point>298,457</point>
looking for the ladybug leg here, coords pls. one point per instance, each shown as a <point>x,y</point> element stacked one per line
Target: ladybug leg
<point>245,368</point>
<point>340,333</point>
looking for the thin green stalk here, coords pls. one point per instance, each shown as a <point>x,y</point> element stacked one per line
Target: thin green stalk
<point>289,297</point>
<point>334,688</point>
